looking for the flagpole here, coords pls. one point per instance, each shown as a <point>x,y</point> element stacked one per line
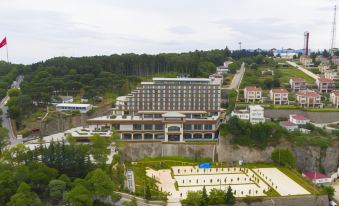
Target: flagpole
<point>7,52</point>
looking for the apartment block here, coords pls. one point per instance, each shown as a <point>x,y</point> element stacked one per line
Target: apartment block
<point>252,94</point>
<point>308,98</point>
<point>334,98</point>
<point>298,84</point>
<point>325,85</point>
<point>279,96</point>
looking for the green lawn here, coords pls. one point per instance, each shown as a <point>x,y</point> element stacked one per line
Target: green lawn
<point>289,72</point>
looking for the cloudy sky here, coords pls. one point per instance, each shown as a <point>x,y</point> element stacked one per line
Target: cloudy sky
<point>40,29</point>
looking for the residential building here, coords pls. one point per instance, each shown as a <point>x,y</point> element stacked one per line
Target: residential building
<point>325,85</point>
<point>331,74</point>
<point>323,67</point>
<point>318,178</point>
<point>166,109</point>
<point>298,119</point>
<point>217,78</point>
<point>334,98</point>
<point>279,96</point>
<point>306,61</point>
<point>242,114</point>
<point>298,84</point>
<point>224,68</point>
<point>252,94</point>
<point>335,60</point>
<point>256,114</point>
<point>308,98</point>
<point>82,108</point>
<point>290,126</point>
<point>322,60</point>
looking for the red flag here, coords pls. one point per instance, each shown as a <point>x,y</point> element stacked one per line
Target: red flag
<point>3,42</point>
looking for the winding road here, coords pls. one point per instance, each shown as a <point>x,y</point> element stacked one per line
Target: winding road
<point>6,121</point>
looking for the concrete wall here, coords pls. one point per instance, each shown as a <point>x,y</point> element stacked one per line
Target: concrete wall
<point>316,117</point>
<point>290,201</point>
<point>139,150</point>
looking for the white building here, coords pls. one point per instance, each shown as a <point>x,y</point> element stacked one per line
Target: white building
<point>216,78</point>
<point>298,119</point>
<point>252,94</point>
<point>318,178</point>
<point>256,114</point>
<point>83,108</point>
<point>242,114</point>
<point>130,180</point>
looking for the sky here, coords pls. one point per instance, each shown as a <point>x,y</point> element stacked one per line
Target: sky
<point>37,30</point>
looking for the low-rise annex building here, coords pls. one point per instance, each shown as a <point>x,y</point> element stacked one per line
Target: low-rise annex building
<point>308,98</point>
<point>167,109</point>
<point>82,108</point>
<point>252,94</point>
<point>298,84</point>
<point>279,96</point>
<point>290,126</point>
<point>325,85</point>
<point>318,178</point>
<point>334,98</point>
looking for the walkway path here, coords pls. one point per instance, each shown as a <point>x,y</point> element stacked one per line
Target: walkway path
<point>235,84</point>
<point>308,72</point>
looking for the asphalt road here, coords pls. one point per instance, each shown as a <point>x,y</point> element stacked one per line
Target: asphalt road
<point>237,78</point>
<point>6,121</point>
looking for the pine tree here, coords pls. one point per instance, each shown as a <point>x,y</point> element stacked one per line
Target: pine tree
<point>204,197</point>
<point>229,197</point>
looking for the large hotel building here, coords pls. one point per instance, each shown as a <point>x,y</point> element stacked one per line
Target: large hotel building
<point>167,109</point>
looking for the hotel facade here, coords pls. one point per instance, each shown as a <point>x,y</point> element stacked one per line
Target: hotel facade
<point>166,109</point>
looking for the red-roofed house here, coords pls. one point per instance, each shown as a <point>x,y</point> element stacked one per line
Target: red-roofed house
<point>290,126</point>
<point>309,98</point>
<point>318,178</point>
<point>334,98</point>
<point>298,119</point>
<point>325,85</point>
<point>298,84</point>
<point>252,94</point>
<point>279,96</point>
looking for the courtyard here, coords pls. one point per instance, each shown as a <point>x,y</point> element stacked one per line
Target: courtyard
<point>178,180</point>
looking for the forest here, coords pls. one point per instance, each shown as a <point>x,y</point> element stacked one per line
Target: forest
<point>94,77</point>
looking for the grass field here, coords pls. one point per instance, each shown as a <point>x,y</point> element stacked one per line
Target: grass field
<point>289,72</point>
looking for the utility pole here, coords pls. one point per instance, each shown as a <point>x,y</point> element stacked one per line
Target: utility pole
<point>333,32</point>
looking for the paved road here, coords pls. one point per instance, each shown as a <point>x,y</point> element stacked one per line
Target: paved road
<point>6,121</point>
<point>306,71</point>
<point>237,78</point>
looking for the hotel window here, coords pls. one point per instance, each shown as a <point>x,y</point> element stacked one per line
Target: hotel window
<point>136,126</point>
<point>159,127</point>
<point>148,127</point>
<point>187,127</point>
<point>198,127</point>
<point>208,127</point>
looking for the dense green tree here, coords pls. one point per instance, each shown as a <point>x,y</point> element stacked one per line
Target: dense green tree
<point>56,189</point>
<point>283,157</point>
<point>148,194</point>
<point>24,197</point>
<point>40,175</point>
<point>79,196</point>
<point>229,197</point>
<point>14,92</point>
<point>4,138</point>
<point>99,149</point>
<point>329,190</point>
<point>193,198</point>
<point>216,197</point>
<point>204,197</point>
<point>100,184</point>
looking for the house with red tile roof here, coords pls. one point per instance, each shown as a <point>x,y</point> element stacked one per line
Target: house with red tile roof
<point>298,119</point>
<point>298,84</point>
<point>252,94</point>
<point>318,178</point>
<point>334,98</point>
<point>308,98</point>
<point>290,126</point>
<point>279,96</point>
<point>325,85</point>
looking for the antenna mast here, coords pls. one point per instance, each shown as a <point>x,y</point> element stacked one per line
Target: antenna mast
<point>333,33</point>
<point>239,45</point>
